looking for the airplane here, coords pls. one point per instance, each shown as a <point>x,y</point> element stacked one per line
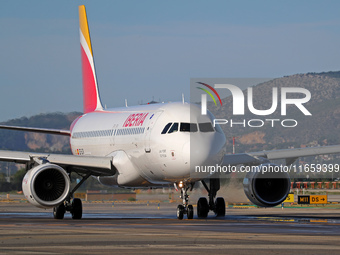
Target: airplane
<point>143,146</point>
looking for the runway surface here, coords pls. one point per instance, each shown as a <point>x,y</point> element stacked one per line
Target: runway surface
<point>142,229</point>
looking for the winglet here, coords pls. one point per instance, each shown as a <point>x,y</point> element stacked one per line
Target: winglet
<point>90,86</point>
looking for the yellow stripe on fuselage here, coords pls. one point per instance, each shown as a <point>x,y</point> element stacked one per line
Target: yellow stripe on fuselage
<point>84,28</point>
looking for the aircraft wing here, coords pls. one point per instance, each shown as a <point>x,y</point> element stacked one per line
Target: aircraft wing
<point>290,155</point>
<point>98,166</point>
<point>38,130</point>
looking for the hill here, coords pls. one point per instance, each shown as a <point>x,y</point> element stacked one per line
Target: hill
<point>319,129</point>
<point>28,141</point>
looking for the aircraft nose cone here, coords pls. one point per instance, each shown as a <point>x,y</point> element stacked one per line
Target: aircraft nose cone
<point>202,151</point>
<point>196,154</point>
<point>186,153</point>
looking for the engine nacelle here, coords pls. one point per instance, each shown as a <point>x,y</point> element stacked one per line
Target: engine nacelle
<point>46,185</point>
<point>265,188</point>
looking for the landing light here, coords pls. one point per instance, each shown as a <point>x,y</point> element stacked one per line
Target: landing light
<point>180,184</point>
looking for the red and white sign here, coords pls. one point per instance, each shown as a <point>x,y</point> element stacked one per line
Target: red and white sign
<point>135,120</point>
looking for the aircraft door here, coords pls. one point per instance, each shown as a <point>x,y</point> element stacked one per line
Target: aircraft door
<point>112,135</point>
<point>148,129</point>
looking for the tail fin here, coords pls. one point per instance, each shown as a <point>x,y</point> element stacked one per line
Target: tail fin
<point>90,86</point>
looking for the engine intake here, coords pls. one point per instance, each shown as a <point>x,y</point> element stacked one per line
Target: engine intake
<point>46,185</point>
<point>265,188</point>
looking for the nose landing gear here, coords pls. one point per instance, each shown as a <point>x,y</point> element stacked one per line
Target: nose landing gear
<point>185,208</point>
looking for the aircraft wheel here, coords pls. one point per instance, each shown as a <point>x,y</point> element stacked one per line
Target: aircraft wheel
<point>202,207</point>
<point>220,207</point>
<point>190,212</point>
<point>59,211</point>
<point>77,209</point>
<point>180,212</point>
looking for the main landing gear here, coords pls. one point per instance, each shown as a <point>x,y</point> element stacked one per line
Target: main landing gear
<point>217,206</point>
<point>203,206</point>
<point>75,206</point>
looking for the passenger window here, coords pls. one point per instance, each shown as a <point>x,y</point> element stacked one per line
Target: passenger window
<point>166,128</point>
<point>206,127</point>
<point>188,127</point>
<point>174,128</point>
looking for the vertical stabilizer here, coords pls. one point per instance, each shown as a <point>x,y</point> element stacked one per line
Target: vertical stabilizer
<point>90,86</point>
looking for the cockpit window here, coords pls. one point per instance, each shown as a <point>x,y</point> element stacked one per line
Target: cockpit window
<point>188,127</point>
<point>166,128</point>
<point>206,127</point>
<point>174,128</point>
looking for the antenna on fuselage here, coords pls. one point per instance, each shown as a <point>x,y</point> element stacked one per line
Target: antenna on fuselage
<point>183,98</point>
<point>126,103</point>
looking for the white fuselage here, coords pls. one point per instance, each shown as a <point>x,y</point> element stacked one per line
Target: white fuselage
<point>151,154</point>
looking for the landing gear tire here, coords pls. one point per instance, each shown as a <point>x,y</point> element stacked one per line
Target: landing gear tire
<point>77,209</point>
<point>190,212</point>
<point>180,212</point>
<point>202,207</point>
<point>220,207</point>
<point>59,211</point>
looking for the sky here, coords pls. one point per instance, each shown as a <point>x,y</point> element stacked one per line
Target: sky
<point>149,50</point>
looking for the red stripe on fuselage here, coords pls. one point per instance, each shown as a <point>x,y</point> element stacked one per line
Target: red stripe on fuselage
<point>89,84</point>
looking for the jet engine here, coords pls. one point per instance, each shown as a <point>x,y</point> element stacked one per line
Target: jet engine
<point>267,186</point>
<point>46,185</point>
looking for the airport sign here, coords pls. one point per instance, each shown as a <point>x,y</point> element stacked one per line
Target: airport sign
<point>318,199</point>
<point>312,199</point>
<point>289,198</point>
<point>303,200</point>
